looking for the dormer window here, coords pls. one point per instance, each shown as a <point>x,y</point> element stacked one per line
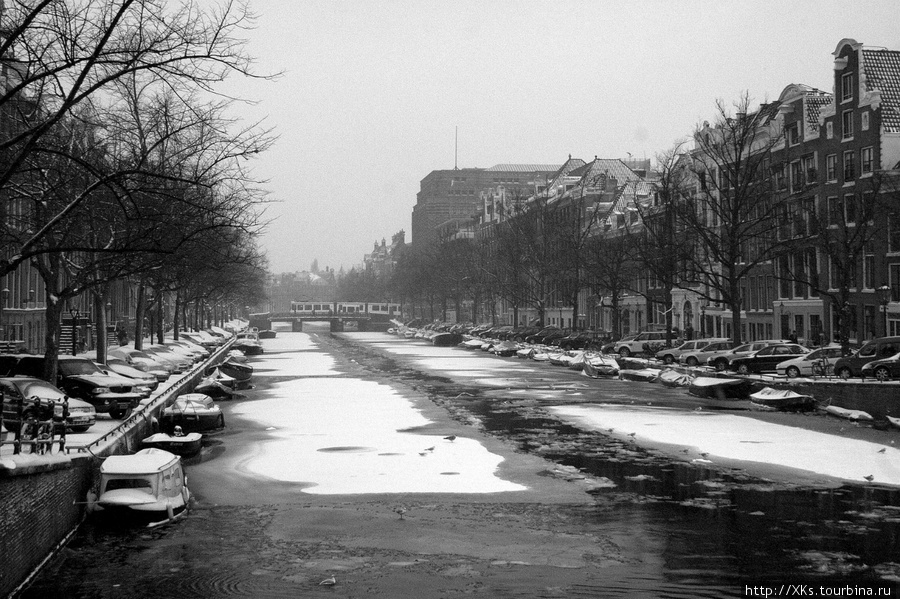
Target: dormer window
<point>846,87</point>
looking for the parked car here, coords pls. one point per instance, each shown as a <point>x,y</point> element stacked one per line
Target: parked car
<point>539,336</point>
<point>874,349</point>
<point>766,359</point>
<point>721,360</point>
<point>608,347</point>
<point>142,361</point>
<point>670,355</point>
<point>700,356</point>
<point>884,369</point>
<point>807,365</point>
<point>145,382</point>
<point>522,333</point>
<point>577,340</point>
<point>637,345</point>
<point>179,362</point>
<point>80,378</point>
<point>552,336</point>
<point>82,415</point>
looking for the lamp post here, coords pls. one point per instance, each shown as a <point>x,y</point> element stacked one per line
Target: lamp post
<point>75,314</point>
<point>884,294</point>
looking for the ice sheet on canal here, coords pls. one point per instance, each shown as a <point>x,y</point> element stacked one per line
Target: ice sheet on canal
<point>738,438</point>
<point>344,436</point>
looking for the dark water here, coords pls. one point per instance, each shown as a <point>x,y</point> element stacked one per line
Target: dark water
<point>694,531</point>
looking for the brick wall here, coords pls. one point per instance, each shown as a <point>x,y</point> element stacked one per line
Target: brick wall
<point>37,510</point>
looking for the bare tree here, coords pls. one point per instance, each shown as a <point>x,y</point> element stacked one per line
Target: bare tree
<point>731,214</point>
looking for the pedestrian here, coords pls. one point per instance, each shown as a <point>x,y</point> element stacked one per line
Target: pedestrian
<point>793,337</point>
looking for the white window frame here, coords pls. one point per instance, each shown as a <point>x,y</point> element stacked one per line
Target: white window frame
<point>864,121</point>
<point>862,160</point>
<point>831,167</point>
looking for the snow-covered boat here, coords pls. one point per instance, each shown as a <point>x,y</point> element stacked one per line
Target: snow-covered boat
<point>185,445</point>
<point>719,388</point>
<point>150,482</point>
<point>894,421</point>
<point>646,375</point>
<point>782,399</point>
<point>446,339</point>
<point>473,343</point>
<point>673,378</point>
<point>855,415</point>
<point>598,366</point>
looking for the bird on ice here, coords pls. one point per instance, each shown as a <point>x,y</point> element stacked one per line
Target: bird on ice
<point>882,450</point>
<point>400,511</point>
<point>328,582</point>
<point>869,478</point>
<point>450,438</point>
<point>429,448</point>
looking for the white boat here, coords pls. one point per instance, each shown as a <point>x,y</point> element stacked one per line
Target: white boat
<point>150,482</point>
<point>855,415</point>
<point>598,366</point>
<point>782,399</point>
<point>894,421</point>
<point>646,375</point>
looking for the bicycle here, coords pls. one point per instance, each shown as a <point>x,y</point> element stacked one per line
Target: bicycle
<point>823,367</point>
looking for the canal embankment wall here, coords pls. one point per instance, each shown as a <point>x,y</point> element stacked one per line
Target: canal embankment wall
<point>43,498</point>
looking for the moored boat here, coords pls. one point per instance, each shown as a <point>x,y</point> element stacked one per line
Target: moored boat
<point>598,366</point>
<point>719,388</point>
<point>782,399</point>
<point>150,482</point>
<point>849,414</point>
<point>646,375</point>
<point>185,445</point>
<point>673,378</point>
<point>894,421</point>
<point>268,334</point>
<point>446,339</point>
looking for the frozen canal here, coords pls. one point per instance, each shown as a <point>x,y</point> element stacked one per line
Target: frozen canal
<point>408,470</point>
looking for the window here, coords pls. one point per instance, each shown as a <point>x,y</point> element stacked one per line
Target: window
<point>847,87</point>
<point>865,160</point>
<point>809,168</point>
<point>849,167</point>
<point>780,179</point>
<point>796,176</point>
<point>850,208</point>
<point>793,133</point>
<point>868,268</point>
<point>834,211</point>
<point>847,124</point>
<point>831,167</point>
<point>864,125</point>
<point>894,232</point>
<point>829,130</point>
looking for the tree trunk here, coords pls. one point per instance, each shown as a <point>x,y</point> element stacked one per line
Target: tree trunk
<point>139,317</point>
<point>100,310</point>
<point>175,316</point>
<point>160,325</point>
<point>53,313</point>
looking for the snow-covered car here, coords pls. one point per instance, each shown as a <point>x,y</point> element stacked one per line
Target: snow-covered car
<point>721,361</point>
<point>142,361</point>
<point>700,356</point>
<point>43,399</point>
<point>670,355</point>
<point>766,359</point>
<point>818,362</point>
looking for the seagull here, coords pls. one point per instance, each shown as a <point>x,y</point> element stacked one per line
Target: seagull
<point>450,438</point>
<point>429,448</point>
<point>869,478</point>
<point>328,582</point>
<point>631,434</point>
<point>684,451</point>
<point>882,450</point>
<point>400,511</point>
<point>703,455</point>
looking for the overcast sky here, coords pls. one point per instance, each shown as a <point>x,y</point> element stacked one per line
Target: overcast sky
<point>372,92</point>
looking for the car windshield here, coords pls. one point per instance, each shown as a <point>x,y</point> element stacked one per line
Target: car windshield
<point>139,354</point>
<point>71,367</point>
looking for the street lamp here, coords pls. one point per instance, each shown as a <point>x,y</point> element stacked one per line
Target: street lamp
<point>884,294</point>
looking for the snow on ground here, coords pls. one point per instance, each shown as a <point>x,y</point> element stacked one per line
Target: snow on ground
<point>343,435</point>
<point>739,438</point>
